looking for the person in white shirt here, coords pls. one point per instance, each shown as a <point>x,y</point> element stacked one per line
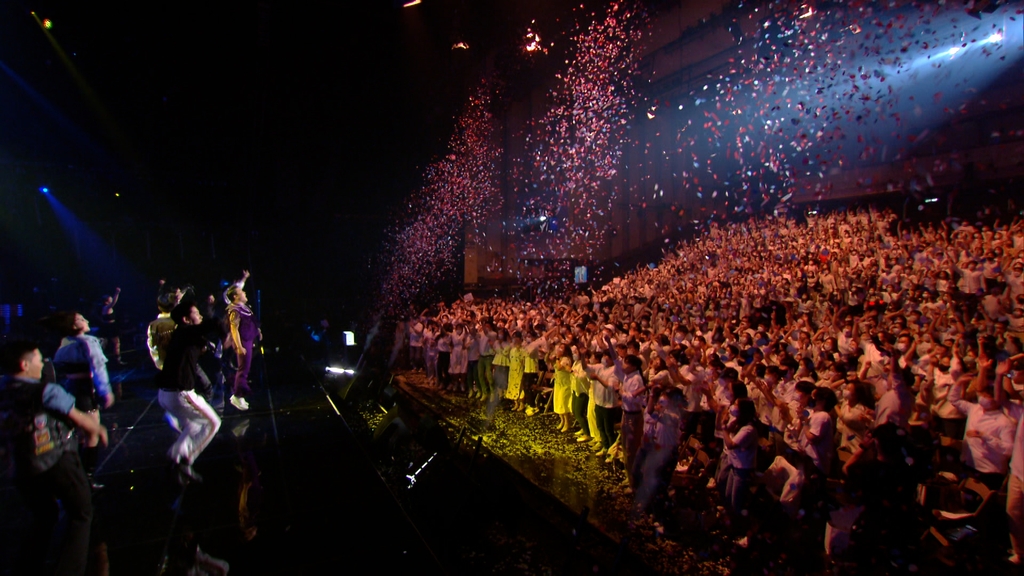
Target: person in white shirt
<point>944,372</point>
<point>443,341</point>
<point>972,281</point>
<point>633,394</point>
<point>989,437</point>
<point>897,404</point>
<point>817,437</point>
<point>485,372</point>
<point>659,446</point>
<point>603,385</point>
<point>1015,483</point>
<point>740,454</point>
<point>415,327</point>
<point>856,415</point>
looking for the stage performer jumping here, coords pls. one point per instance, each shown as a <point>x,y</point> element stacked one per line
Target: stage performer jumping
<point>244,330</point>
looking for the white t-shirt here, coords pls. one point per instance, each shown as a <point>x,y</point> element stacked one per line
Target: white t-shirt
<point>744,454</point>
<point>821,448</point>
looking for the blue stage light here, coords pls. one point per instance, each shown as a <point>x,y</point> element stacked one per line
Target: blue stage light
<point>44,190</point>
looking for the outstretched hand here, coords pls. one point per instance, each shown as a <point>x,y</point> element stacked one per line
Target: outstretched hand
<point>104,439</point>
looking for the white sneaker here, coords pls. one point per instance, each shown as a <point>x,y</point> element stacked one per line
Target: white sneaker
<point>239,402</point>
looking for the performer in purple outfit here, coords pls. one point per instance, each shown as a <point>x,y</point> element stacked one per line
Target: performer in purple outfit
<point>244,332</point>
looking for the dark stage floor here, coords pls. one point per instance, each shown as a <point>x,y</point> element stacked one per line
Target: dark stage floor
<point>287,489</point>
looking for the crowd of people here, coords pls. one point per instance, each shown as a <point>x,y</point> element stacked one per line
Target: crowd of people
<point>842,362</point>
<point>43,404</point>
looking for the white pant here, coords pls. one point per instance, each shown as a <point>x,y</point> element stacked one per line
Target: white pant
<point>197,421</point>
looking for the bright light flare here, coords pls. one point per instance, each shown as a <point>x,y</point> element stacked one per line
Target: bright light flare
<point>996,37</point>
<point>533,42</point>
<point>411,3</point>
<point>460,46</point>
<point>47,23</point>
<point>334,370</point>
<point>44,190</point>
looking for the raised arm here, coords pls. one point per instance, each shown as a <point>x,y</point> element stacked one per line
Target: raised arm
<point>240,283</point>
<point>113,302</point>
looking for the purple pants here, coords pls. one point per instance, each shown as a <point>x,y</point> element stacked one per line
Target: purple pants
<point>241,386</point>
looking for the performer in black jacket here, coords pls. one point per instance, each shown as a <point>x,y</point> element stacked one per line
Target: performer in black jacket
<point>197,420</point>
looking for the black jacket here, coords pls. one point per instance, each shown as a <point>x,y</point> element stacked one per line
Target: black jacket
<point>183,352</point>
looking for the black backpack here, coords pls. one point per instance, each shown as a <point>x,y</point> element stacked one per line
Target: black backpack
<point>38,436</point>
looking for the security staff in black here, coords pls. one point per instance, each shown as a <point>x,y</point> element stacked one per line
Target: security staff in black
<point>37,422</point>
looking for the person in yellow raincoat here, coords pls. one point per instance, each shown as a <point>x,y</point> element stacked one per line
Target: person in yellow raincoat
<point>516,366</point>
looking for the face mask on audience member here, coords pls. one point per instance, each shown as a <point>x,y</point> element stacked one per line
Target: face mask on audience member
<point>924,347</point>
<point>902,346</point>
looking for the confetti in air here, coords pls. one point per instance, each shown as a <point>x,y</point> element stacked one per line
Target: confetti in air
<point>533,42</point>
<point>795,99</point>
<point>811,92</point>
<point>460,190</point>
<point>578,143</point>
